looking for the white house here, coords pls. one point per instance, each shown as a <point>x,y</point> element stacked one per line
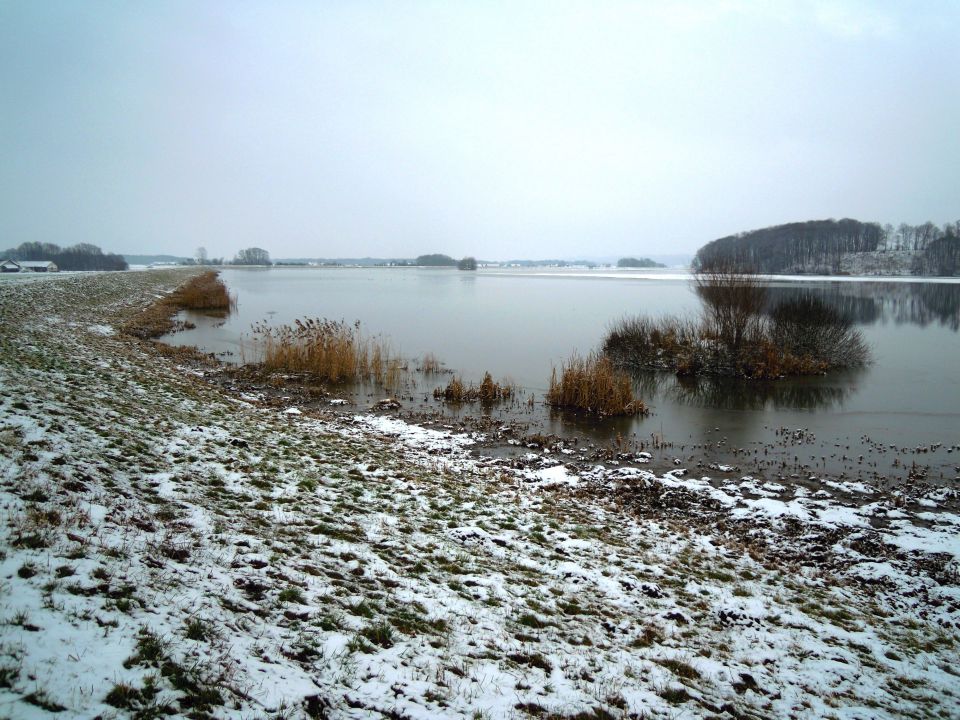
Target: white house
<point>9,266</point>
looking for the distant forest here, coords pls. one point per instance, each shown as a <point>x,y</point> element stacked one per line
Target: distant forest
<point>77,257</point>
<point>820,245</point>
<point>629,262</point>
<point>435,260</point>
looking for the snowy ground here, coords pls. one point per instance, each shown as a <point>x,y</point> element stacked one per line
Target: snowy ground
<point>169,549</point>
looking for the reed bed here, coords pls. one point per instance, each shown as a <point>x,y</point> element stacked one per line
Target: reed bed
<point>487,392</point>
<point>204,292</point>
<point>592,384</point>
<point>331,351</point>
<point>431,365</point>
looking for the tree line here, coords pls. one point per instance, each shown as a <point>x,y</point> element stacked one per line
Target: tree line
<point>82,256</point>
<point>247,256</point>
<point>819,245</point>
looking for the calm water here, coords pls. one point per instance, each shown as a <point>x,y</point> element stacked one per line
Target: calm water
<point>518,325</point>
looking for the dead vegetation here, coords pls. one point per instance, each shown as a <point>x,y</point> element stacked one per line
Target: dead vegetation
<point>737,335</point>
<point>332,351</point>
<point>205,292</point>
<point>431,365</point>
<point>592,384</point>
<point>487,392</point>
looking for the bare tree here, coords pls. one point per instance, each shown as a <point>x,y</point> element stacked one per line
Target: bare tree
<point>201,255</point>
<point>733,302</point>
<point>252,256</point>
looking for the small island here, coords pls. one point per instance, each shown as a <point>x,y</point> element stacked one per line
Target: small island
<point>629,262</point>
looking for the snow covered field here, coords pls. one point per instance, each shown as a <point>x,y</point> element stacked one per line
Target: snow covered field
<point>171,549</point>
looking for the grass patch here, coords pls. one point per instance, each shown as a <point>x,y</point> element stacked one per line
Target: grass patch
<point>674,696</point>
<point>535,660</point>
<point>293,595</point>
<point>679,668</point>
<point>380,634</point>
<point>40,699</point>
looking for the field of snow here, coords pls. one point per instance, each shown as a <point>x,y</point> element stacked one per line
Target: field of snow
<point>171,549</point>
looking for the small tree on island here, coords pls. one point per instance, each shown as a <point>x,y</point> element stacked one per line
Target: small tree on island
<point>467,263</point>
<point>252,256</point>
<point>733,302</point>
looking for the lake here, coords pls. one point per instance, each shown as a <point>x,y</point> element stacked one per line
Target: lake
<point>519,324</point>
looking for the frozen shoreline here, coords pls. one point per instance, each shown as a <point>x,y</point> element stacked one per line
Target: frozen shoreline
<point>353,566</point>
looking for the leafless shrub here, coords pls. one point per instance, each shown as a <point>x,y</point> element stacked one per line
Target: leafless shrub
<point>807,327</point>
<point>733,303</point>
<point>802,337</point>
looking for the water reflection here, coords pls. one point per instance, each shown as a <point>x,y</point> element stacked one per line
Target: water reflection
<point>867,303</point>
<point>806,393</point>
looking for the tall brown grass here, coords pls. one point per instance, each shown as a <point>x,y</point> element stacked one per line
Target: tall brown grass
<point>204,292</point>
<point>331,351</point>
<point>592,384</point>
<point>431,365</point>
<point>487,392</point>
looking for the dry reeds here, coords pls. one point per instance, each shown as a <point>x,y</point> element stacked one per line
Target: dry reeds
<point>488,391</point>
<point>592,384</point>
<point>431,365</point>
<point>331,351</point>
<point>204,292</point>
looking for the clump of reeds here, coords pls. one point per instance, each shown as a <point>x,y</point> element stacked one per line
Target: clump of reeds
<point>204,292</point>
<point>487,392</point>
<point>594,385</point>
<point>331,351</point>
<point>431,365</point>
<point>645,342</point>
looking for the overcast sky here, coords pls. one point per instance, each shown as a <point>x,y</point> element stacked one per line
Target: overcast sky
<point>502,130</point>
